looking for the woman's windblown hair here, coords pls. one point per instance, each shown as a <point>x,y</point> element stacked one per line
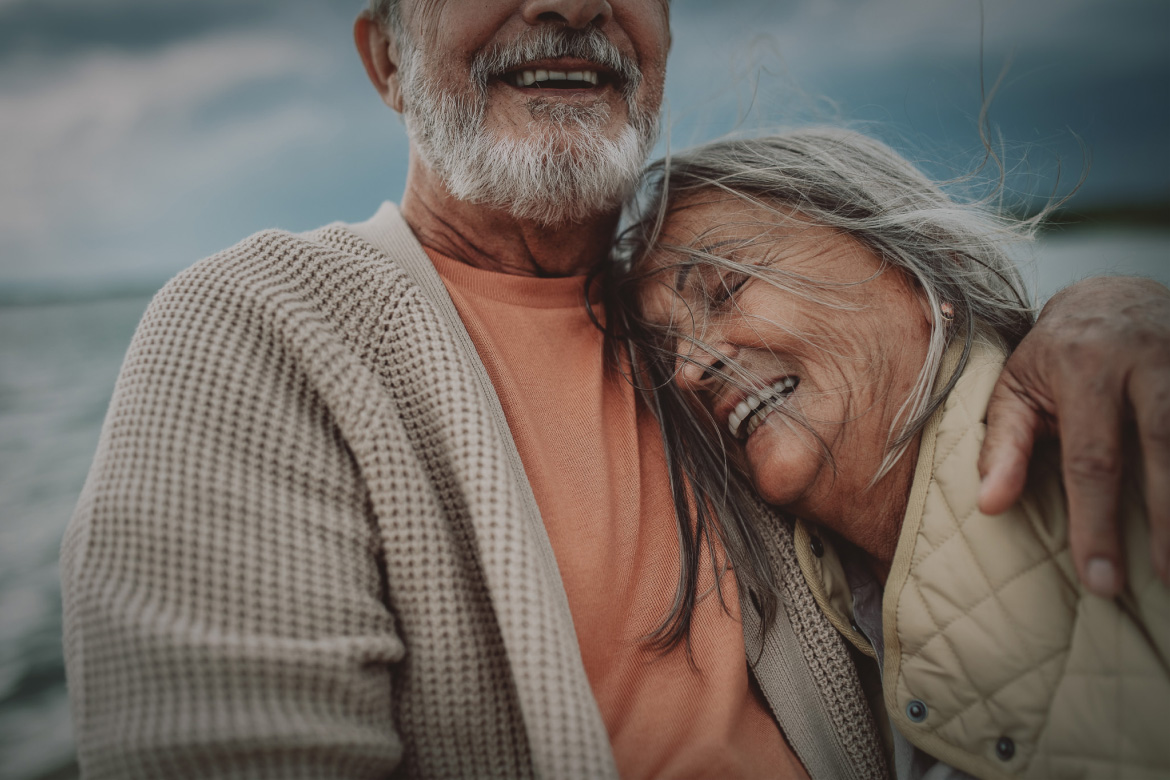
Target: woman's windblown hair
<point>952,252</point>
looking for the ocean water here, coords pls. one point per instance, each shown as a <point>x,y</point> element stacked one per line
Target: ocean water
<point>58,364</point>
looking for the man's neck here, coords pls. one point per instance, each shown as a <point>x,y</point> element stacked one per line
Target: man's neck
<point>493,239</point>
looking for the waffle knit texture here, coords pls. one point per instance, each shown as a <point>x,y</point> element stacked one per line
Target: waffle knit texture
<point>306,547</point>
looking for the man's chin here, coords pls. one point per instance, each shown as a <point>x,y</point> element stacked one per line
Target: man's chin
<point>567,144</point>
<point>580,138</point>
<point>559,207</point>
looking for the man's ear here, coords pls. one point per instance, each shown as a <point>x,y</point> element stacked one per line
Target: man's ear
<point>379,53</point>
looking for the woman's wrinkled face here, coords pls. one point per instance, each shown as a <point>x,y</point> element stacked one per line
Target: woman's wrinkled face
<point>817,357</point>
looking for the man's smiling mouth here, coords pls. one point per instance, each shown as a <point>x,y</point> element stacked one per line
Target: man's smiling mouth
<point>554,79</point>
<point>751,412</point>
<point>566,74</point>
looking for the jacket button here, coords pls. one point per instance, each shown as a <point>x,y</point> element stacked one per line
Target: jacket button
<point>917,711</point>
<point>818,547</point>
<point>1005,748</point>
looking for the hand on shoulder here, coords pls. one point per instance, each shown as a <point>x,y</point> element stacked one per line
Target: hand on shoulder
<point>1096,364</point>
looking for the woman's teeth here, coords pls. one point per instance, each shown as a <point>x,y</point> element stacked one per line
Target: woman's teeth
<point>755,408</point>
<point>527,78</point>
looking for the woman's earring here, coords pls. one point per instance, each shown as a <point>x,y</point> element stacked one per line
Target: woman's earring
<point>947,309</point>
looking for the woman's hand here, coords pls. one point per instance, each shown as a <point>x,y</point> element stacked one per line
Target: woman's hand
<point>1097,361</point>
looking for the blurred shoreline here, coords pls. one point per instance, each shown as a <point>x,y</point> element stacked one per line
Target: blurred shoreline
<point>1149,215</point>
<point>15,294</point>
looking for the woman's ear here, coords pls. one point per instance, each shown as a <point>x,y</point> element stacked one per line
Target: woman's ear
<point>943,314</point>
<point>380,56</point>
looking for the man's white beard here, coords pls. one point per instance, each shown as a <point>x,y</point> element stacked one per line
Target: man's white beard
<point>562,170</point>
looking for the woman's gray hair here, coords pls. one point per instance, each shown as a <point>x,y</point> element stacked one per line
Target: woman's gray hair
<point>953,251</point>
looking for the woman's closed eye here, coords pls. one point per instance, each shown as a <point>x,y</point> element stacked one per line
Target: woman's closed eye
<point>724,290</point>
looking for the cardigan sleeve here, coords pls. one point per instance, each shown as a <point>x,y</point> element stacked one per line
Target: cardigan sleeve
<point>225,606</point>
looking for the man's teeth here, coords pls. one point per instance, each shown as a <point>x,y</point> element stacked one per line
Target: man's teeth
<point>773,396</point>
<point>526,78</point>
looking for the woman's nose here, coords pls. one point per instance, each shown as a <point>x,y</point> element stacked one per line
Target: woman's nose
<point>576,14</point>
<point>703,366</point>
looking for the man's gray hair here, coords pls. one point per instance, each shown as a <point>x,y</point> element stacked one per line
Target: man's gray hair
<point>387,13</point>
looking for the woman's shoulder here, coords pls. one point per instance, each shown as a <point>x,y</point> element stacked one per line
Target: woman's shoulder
<point>992,602</point>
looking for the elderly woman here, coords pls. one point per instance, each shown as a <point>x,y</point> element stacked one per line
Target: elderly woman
<point>818,314</point>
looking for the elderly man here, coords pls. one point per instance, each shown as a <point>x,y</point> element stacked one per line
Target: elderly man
<point>369,500</point>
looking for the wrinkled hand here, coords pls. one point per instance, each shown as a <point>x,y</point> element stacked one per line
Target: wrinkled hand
<point>1097,361</point>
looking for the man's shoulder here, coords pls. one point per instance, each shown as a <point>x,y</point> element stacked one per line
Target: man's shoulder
<point>318,268</point>
<point>275,256</point>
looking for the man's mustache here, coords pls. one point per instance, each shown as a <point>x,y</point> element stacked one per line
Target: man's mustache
<point>555,42</point>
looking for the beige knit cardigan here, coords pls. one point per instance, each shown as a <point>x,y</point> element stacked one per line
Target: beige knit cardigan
<point>307,548</point>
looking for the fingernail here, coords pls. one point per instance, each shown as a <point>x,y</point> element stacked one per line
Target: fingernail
<point>985,486</point>
<point>1101,577</point>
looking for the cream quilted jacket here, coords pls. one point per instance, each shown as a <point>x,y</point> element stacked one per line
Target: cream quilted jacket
<point>994,659</point>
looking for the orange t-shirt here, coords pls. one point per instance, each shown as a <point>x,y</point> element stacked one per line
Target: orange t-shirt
<point>594,458</point>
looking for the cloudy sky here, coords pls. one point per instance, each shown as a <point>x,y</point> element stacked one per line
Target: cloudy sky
<point>137,136</point>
